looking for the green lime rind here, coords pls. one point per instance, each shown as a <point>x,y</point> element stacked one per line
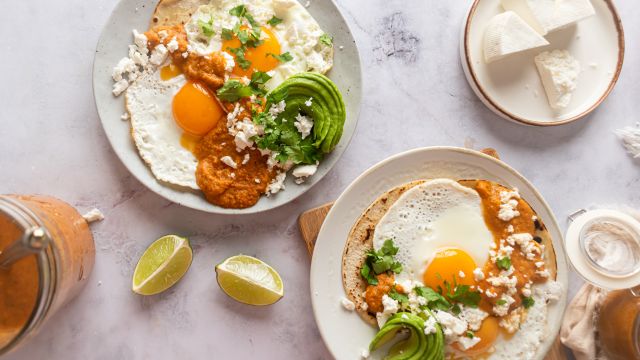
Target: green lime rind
<point>162,265</point>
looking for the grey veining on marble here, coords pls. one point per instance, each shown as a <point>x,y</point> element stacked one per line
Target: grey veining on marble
<point>415,94</point>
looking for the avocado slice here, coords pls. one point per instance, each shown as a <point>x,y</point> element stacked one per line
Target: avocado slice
<point>417,346</point>
<point>327,106</point>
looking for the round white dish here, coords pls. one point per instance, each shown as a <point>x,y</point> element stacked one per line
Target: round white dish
<point>511,87</point>
<point>112,46</point>
<point>345,333</point>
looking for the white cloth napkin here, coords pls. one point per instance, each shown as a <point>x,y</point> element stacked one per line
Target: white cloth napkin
<point>578,331</point>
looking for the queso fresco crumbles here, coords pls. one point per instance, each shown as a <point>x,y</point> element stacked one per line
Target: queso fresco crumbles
<point>232,99</point>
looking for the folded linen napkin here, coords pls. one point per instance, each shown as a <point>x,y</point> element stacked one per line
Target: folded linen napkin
<point>578,331</point>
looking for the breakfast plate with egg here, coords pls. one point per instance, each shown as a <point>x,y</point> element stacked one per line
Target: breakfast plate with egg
<point>439,253</point>
<point>542,62</point>
<point>227,106</point>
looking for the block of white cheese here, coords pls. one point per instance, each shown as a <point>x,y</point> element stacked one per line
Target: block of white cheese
<point>548,15</point>
<point>508,34</point>
<point>558,71</point>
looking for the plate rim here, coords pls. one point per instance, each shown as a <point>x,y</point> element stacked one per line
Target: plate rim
<point>211,208</point>
<point>472,79</point>
<point>553,223</point>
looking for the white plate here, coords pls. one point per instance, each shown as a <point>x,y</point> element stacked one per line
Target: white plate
<point>346,334</point>
<point>136,14</point>
<point>512,88</point>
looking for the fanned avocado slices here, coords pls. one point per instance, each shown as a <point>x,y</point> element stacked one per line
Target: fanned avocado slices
<point>417,346</point>
<point>327,107</point>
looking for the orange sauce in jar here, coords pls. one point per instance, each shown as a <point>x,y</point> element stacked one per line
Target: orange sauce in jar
<point>619,326</point>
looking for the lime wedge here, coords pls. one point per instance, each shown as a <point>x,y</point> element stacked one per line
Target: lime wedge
<point>249,280</point>
<point>162,265</point>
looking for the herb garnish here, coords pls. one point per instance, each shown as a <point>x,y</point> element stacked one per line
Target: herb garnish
<point>504,263</point>
<point>501,302</point>
<point>380,261</point>
<point>234,90</point>
<point>400,298</point>
<point>434,300</point>
<point>326,39</point>
<point>274,21</point>
<point>206,27</point>
<point>286,57</point>
<point>469,334</point>
<point>528,301</point>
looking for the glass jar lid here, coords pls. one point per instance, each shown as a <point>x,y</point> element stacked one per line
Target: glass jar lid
<point>604,248</point>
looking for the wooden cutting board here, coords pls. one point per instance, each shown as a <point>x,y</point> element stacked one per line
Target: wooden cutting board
<point>310,222</point>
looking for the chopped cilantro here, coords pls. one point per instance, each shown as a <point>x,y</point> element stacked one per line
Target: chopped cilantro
<point>381,261</point>
<point>233,90</point>
<point>238,11</point>
<point>528,302</point>
<point>274,21</point>
<point>434,300</point>
<point>401,298</point>
<point>456,310</point>
<point>326,39</point>
<point>206,27</point>
<point>464,295</point>
<point>239,57</point>
<point>469,334</point>
<point>366,274</point>
<point>243,36</point>
<point>504,263</point>
<point>286,57</point>
<point>227,34</point>
<point>501,302</point>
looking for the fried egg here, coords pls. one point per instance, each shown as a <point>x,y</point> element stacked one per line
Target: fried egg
<point>167,119</point>
<point>297,34</point>
<point>440,230</point>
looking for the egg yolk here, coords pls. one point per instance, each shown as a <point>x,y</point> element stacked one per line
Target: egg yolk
<point>447,265</point>
<point>170,71</point>
<point>259,57</point>
<point>195,110</point>
<point>487,333</point>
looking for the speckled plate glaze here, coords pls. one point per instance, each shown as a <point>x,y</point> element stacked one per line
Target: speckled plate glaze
<point>135,14</point>
<point>511,87</point>
<point>345,333</point>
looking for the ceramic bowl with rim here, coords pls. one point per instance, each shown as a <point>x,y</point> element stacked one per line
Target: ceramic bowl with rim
<point>113,45</point>
<point>511,87</point>
<point>345,333</point>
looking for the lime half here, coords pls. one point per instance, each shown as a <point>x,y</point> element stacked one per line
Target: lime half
<point>249,280</point>
<point>162,265</point>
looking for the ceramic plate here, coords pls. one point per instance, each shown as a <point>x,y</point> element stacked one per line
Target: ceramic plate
<point>345,333</point>
<point>511,87</point>
<point>112,46</point>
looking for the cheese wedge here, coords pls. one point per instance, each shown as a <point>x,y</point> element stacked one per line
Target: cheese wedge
<point>558,71</point>
<point>549,15</point>
<point>508,34</point>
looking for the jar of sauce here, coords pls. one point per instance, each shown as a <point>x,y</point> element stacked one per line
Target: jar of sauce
<point>35,284</point>
<point>619,326</point>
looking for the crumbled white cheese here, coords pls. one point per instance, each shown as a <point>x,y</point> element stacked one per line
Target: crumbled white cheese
<point>467,343</point>
<point>511,322</point>
<point>490,293</point>
<point>162,34</point>
<point>430,325</point>
<point>141,41</point>
<point>124,116</point>
<point>277,184</point>
<point>390,307</point>
<point>159,55</point>
<point>510,228</point>
<point>304,171</point>
<point>416,302</point>
<point>125,65</point>
<point>509,203</point>
<point>257,181</point>
<point>503,309</point>
<point>508,195</point>
<point>120,86</point>
<point>232,175</point>
<point>229,162</point>
<point>473,317</point>
<point>172,45</point>
<point>461,274</point>
<point>93,215</point>
<point>308,102</point>
<point>348,304</point>
<point>304,125</point>
<point>246,159</point>
<point>526,290</point>
<point>276,109</point>
<point>543,273</point>
<point>229,62</point>
<point>478,274</point>
<point>451,325</point>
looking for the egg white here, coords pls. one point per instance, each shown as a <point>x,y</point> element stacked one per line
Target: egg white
<point>298,34</point>
<point>155,132</point>
<point>434,215</point>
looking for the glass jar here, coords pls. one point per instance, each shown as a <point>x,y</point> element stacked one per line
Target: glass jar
<point>619,326</point>
<point>36,285</point>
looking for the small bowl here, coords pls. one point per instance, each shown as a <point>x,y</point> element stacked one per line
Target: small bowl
<point>511,87</point>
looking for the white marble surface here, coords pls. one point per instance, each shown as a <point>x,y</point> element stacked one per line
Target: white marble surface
<point>414,95</point>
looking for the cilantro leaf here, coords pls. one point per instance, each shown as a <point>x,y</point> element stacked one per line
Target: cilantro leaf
<point>239,57</point>
<point>401,298</point>
<point>286,57</point>
<point>501,302</point>
<point>238,11</point>
<point>528,302</point>
<point>365,272</point>
<point>504,263</point>
<point>469,334</point>
<point>464,295</point>
<point>260,77</point>
<point>274,21</point>
<point>206,27</point>
<point>434,300</point>
<point>456,310</point>
<point>227,34</point>
<point>326,39</point>
<point>383,260</point>
<point>388,248</point>
<point>243,36</point>
<point>233,90</point>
